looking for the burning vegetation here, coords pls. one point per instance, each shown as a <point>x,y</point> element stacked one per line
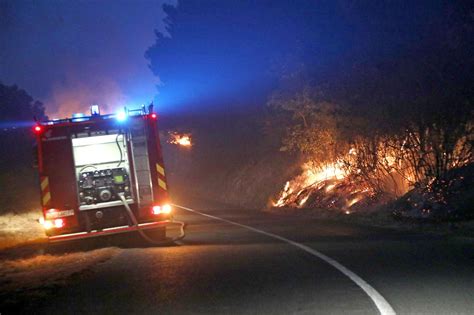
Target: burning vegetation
<point>350,183</point>
<point>180,139</point>
<point>364,153</point>
<point>328,186</point>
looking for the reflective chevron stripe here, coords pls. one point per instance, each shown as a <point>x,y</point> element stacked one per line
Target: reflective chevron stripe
<point>161,176</point>
<point>45,193</point>
<point>162,183</point>
<point>160,169</point>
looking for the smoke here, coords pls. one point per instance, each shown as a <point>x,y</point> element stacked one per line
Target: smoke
<point>74,95</point>
<point>73,54</point>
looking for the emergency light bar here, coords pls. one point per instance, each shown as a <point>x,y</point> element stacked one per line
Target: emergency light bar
<point>95,114</point>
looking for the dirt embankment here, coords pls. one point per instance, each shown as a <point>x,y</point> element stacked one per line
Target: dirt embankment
<point>240,181</point>
<point>230,160</point>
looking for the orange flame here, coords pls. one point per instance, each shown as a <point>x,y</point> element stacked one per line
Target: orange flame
<point>353,201</point>
<point>180,139</point>
<point>311,176</point>
<point>330,187</point>
<point>339,180</point>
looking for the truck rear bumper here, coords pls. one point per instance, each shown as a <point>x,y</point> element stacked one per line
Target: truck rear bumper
<point>108,231</point>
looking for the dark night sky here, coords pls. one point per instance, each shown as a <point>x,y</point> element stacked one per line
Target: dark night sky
<point>69,54</point>
<point>220,53</point>
<point>231,53</point>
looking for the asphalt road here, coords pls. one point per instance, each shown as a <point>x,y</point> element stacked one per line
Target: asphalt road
<point>220,268</point>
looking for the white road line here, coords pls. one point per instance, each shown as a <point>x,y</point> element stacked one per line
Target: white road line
<point>382,305</point>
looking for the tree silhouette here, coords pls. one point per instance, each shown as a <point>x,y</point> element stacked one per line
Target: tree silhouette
<point>17,112</point>
<point>417,108</point>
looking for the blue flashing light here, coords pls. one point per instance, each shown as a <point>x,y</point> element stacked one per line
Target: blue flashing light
<point>121,116</point>
<point>77,117</point>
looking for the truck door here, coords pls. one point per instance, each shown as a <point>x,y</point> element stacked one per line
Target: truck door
<point>57,178</point>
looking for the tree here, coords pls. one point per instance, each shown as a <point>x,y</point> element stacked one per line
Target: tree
<point>17,112</point>
<point>313,130</point>
<point>410,117</point>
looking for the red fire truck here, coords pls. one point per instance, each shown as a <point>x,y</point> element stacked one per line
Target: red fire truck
<point>102,174</point>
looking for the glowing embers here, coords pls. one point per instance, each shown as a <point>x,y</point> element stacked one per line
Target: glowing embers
<point>298,191</point>
<point>181,139</point>
<point>324,187</point>
<point>330,187</point>
<point>353,201</point>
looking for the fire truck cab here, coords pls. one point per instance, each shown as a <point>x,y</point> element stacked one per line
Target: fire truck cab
<point>102,174</point>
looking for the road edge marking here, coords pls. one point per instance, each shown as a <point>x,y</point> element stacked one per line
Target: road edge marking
<point>380,302</point>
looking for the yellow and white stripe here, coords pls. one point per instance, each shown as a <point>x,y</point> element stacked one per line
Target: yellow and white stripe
<point>45,193</point>
<point>161,176</point>
<point>160,169</point>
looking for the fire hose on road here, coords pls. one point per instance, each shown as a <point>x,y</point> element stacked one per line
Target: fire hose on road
<point>143,234</point>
